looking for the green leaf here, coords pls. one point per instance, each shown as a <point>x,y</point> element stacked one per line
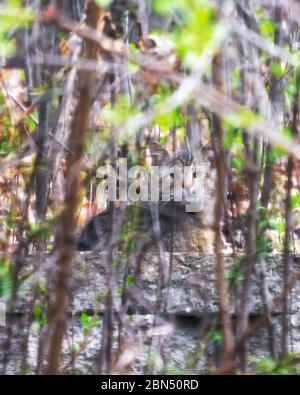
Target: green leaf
<point>296,200</point>
<point>103,3</point>
<point>198,23</point>
<point>238,163</point>
<point>167,6</point>
<point>39,315</point>
<point>5,279</point>
<point>264,225</point>
<point>14,3</point>
<point>276,69</point>
<point>233,138</point>
<point>275,154</point>
<point>216,337</point>
<point>237,273</point>
<point>267,365</point>
<point>89,322</point>
<point>277,224</point>
<point>85,319</point>
<point>235,79</point>
<point>245,118</point>
<point>13,16</point>
<point>130,280</point>
<point>267,28</point>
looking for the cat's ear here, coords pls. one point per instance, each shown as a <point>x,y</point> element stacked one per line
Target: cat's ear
<point>159,155</point>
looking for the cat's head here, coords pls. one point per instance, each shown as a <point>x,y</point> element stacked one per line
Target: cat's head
<point>184,175</point>
<point>165,177</point>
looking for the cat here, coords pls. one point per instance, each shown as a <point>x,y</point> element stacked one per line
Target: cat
<point>180,230</point>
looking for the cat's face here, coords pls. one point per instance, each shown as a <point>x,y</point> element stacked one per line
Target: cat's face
<point>185,176</point>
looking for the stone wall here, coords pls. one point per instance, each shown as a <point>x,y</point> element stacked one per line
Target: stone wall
<point>181,336</point>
